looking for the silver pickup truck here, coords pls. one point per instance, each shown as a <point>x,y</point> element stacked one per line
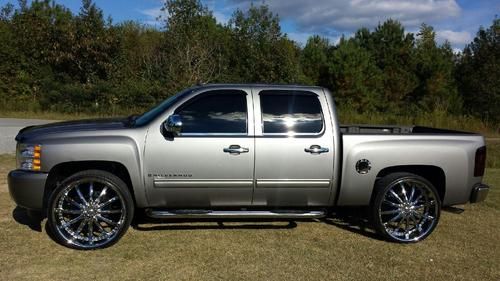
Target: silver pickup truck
<point>241,151</point>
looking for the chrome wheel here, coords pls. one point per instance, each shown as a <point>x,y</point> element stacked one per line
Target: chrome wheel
<point>89,212</point>
<point>408,209</point>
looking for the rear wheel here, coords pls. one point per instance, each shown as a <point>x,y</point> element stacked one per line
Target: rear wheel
<point>90,209</point>
<point>406,207</point>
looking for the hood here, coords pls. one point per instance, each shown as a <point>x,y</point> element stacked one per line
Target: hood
<point>73,126</point>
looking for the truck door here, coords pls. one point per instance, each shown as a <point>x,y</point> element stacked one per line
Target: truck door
<point>211,163</point>
<point>293,148</point>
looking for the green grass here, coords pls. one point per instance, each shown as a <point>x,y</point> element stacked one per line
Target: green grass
<point>463,247</point>
<point>493,154</point>
<point>437,119</point>
<point>47,115</point>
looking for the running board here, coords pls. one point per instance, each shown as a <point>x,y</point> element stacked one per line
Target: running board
<point>199,214</point>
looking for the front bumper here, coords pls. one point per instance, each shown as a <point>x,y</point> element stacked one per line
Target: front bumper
<point>479,193</point>
<point>27,188</point>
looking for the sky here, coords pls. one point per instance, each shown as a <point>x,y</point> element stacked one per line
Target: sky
<point>454,20</point>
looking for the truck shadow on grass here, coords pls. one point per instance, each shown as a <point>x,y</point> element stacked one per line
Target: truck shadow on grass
<point>146,224</point>
<point>33,220</point>
<point>353,219</point>
<point>350,219</point>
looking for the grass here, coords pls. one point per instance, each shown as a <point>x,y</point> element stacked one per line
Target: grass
<point>493,154</point>
<point>437,119</point>
<point>463,247</point>
<point>47,115</point>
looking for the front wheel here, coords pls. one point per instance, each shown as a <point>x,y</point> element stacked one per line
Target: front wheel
<point>406,207</point>
<point>89,210</point>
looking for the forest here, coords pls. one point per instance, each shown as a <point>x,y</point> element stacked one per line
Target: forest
<point>54,60</point>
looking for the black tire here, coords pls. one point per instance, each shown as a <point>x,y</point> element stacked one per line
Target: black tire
<point>402,218</point>
<point>98,202</point>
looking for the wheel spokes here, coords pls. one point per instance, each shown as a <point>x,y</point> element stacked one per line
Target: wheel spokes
<point>403,191</point>
<point>103,192</point>
<point>396,196</point>
<point>106,220</point>
<point>70,222</point>
<point>107,202</point>
<point>81,195</point>
<point>414,213</point>
<point>91,191</point>
<point>89,214</point>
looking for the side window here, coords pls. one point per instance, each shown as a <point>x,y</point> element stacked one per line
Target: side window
<point>221,111</point>
<point>285,112</point>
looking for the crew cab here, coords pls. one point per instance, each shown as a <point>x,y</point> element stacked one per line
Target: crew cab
<point>241,151</point>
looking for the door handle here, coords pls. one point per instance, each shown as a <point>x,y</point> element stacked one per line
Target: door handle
<point>316,149</point>
<point>235,149</point>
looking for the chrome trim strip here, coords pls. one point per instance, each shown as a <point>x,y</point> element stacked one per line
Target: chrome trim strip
<point>235,214</point>
<point>277,183</point>
<point>211,134</point>
<point>174,183</point>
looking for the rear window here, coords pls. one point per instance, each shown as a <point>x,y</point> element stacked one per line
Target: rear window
<point>290,112</point>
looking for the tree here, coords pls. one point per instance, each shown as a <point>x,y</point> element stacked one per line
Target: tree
<point>354,77</point>
<point>314,58</point>
<point>260,52</point>
<point>95,45</point>
<point>478,74</point>
<point>193,44</point>
<point>392,49</point>
<point>435,70</point>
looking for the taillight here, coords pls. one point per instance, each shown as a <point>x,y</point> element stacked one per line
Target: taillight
<point>480,162</point>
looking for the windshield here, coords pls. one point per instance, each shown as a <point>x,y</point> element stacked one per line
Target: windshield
<point>150,115</point>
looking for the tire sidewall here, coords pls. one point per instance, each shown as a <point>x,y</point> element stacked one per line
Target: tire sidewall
<point>120,186</point>
<point>381,189</point>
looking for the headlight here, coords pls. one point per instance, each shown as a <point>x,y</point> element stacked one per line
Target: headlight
<point>29,156</point>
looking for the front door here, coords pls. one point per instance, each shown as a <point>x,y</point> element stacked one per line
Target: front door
<point>294,148</point>
<point>211,163</point>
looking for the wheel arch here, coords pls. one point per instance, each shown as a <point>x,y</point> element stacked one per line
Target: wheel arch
<point>433,174</point>
<point>63,170</point>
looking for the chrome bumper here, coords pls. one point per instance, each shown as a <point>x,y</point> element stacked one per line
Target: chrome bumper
<point>479,193</point>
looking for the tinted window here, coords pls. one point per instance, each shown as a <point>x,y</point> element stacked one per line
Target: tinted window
<point>223,111</point>
<point>290,112</point>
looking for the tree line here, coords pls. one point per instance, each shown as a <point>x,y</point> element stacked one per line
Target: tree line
<point>54,60</point>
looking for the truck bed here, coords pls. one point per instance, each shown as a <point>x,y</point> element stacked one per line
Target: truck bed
<point>391,129</point>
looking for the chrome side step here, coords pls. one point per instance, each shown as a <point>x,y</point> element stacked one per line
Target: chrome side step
<point>199,214</point>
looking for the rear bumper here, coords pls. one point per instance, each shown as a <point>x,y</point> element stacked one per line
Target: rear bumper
<point>479,193</point>
<point>27,188</point>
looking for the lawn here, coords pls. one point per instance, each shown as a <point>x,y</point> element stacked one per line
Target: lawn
<point>465,246</point>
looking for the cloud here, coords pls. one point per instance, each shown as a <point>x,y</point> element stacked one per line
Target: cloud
<point>221,17</point>
<point>327,16</point>
<point>153,14</point>
<point>456,38</point>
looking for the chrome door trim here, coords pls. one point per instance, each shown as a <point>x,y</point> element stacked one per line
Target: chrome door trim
<point>287,183</point>
<point>222,183</point>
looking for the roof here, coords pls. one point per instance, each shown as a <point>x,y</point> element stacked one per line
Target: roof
<point>257,85</point>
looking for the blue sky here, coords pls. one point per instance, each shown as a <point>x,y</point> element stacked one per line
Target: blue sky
<point>454,20</point>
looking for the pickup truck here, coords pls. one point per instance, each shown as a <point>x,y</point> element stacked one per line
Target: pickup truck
<point>241,151</point>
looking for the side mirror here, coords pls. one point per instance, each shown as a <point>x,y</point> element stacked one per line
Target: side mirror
<point>173,125</point>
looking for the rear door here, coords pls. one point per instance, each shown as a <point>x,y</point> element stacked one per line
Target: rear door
<point>293,148</point>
